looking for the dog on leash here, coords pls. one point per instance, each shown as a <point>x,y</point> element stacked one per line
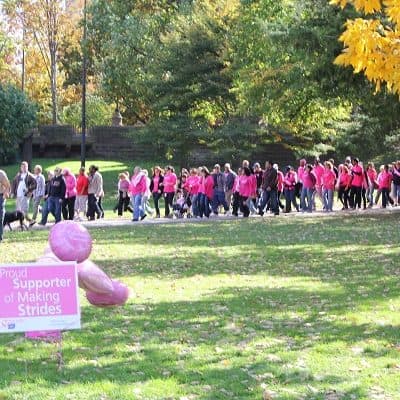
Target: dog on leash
<point>15,216</point>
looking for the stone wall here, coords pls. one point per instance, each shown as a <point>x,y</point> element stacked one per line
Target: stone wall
<point>107,142</point>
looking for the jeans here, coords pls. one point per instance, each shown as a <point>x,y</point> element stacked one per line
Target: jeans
<point>204,203</point>
<point>306,199</point>
<point>68,208</point>
<point>370,194</point>
<point>396,193</point>
<point>195,205</point>
<point>36,204</point>
<point>269,197</point>
<point>327,195</point>
<point>290,198</point>
<point>2,212</point>
<point>53,205</point>
<point>137,206</point>
<point>219,199</point>
<point>169,200</point>
<point>93,207</point>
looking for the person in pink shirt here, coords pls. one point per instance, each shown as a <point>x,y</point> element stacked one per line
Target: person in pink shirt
<point>357,173</point>
<point>307,193</point>
<point>372,177</point>
<point>289,189</point>
<point>137,189</point>
<point>328,181</point>
<point>156,187</point>
<point>385,183</point>
<point>68,205</point>
<point>206,190</point>
<point>300,173</point>
<point>236,195</point>
<point>247,190</point>
<point>344,185</point>
<point>318,170</point>
<point>169,185</point>
<point>123,194</point>
<point>280,185</point>
<point>192,186</point>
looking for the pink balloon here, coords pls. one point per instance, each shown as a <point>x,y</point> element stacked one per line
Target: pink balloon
<point>70,241</point>
<point>118,297</point>
<point>93,279</point>
<point>48,257</point>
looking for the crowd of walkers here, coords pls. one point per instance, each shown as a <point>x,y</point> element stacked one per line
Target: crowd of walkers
<point>199,192</point>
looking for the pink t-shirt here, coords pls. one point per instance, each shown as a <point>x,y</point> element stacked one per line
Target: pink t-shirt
<point>308,182</point>
<point>170,180</point>
<point>290,181</point>
<point>328,179</point>
<point>156,181</point>
<point>385,180</point>
<point>371,172</point>
<point>193,184</point>
<point>138,184</point>
<point>318,172</point>
<point>300,173</point>
<point>358,178</point>
<point>344,179</point>
<point>247,185</point>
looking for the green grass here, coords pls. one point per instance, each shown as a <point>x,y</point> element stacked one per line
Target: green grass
<point>109,170</point>
<point>300,308</point>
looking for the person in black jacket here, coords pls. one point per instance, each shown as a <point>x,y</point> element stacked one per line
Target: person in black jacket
<point>270,189</point>
<point>157,188</point>
<point>55,195</point>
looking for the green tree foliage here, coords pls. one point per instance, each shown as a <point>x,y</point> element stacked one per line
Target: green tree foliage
<point>17,115</point>
<point>98,113</point>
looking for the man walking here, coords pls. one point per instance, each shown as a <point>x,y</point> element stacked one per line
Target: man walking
<point>270,189</point>
<point>219,190</point>
<point>23,186</point>
<point>4,192</point>
<point>95,191</point>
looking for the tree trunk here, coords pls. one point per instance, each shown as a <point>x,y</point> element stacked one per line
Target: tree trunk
<point>53,79</point>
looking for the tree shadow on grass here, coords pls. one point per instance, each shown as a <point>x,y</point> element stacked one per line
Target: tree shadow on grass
<point>230,342</point>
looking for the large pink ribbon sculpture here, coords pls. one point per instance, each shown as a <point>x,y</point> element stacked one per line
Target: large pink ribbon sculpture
<point>70,241</point>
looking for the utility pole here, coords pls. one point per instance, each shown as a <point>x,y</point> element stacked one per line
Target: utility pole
<point>84,79</point>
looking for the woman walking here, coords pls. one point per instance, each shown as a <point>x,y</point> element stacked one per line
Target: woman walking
<point>68,206</point>
<point>328,181</point>
<point>205,192</point>
<point>156,188</point>
<point>169,185</point>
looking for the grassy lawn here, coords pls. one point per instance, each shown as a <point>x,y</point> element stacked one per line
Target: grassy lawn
<point>283,308</point>
<point>109,170</point>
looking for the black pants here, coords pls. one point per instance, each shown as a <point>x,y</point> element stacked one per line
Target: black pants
<point>385,197</point>
<point>244,208</point>
<point>355,197</point>
<point>123,203</point>
<point>93,207</point>
<point>343,196</point>
<point>169,199</point>
<point>235,203</point>
<point>68,208</point>
<point>364,197</point>
<point>156,198</point>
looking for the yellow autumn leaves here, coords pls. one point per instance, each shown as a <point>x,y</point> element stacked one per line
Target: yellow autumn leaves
<point>371,45</point>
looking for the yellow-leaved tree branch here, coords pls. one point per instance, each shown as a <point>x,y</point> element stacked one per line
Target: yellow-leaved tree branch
<point>372,43</point>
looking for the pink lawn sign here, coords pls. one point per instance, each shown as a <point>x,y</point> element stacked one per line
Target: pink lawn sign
<point>39,297</point>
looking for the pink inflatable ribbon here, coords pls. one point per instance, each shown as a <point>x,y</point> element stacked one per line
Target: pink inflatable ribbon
<point>118,297</point>
<point>92,278</point>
